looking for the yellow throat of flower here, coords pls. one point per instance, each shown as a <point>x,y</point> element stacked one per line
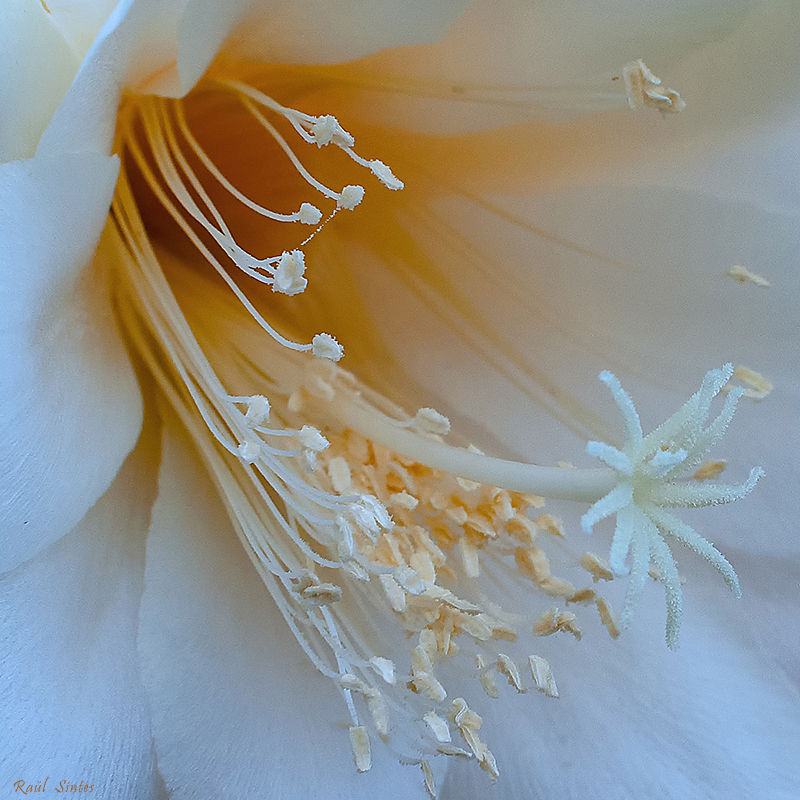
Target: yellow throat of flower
<point>365,526</point>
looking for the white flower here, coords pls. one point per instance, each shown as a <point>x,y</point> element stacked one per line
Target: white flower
<point>161,528</point>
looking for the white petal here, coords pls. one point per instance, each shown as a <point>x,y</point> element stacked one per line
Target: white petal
<point>73,704</point>
<point>69,400</point>
<point>137,50</point>
<point>166,47</point>
<point>79,21</point>
<point>717,720</point>
<point>315,31</point>
<point>238,710</point>
<point>36,67</point>
<point>563,58</point>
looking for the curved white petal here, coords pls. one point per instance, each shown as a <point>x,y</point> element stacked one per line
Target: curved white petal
<point>717,720</point>
<point>36,67</point>
<point>238,710</point>
<point>79,21</point>
<point>73,705</point>
<point>314,32</point>
<point>69,400</point>
<point>151,46</point>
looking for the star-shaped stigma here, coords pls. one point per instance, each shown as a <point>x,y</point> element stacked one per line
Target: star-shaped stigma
<point>648,469</point>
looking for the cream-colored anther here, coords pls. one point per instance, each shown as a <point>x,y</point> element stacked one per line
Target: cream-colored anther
<point>431,421</point>
<point>597,567</point>
<point>420,660</point>
<point>344,537</point>
<point>420,562</point>
<point>384,668</point>
<point>743,275</point>
<point>323,594</point>
<point>468,723</point>
<point>470,558</point>
<point>476,626</point>
<point>249,451</point>
<point>385,175</point>
<point>350,197</point>
<point>532,563</point>
<point>487,762</point>
<point>411,580</point>
<point>543,676</point>
<point>379,712</point>
<point>758,387</point>
<point>403,500</point>
<point>289,273</point>
<point>550,524</point>
<point>309,214</point>
<point>353,683</point>
<point>427,641</point>
<point>438,727</point>
<point>489,684</point>
<point>427,776</point>
<point>425,682</point>
<point>326,129</point>
<point>644,89</point>
<point>370,514</point>
<point>339,473</point>
<point>362,753</point>
<point>585,595</point>
<point>552,622</point>
<point>607,618</point>
<point>323,345</point>
<point>311,439</point>
<point>394,592</point>
<point>509,669</point>
<point>257,411</point>
<point>452,750</point>
<point>461,715</point>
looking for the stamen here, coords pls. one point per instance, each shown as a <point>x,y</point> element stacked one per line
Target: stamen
<point>743,275</point>
<point>646,90</point>
<point>758,387</point>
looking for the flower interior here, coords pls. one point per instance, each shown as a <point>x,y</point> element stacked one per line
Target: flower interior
<point>388,551</point>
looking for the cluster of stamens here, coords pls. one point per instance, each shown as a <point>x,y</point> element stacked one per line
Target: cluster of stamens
<point>347,530</point>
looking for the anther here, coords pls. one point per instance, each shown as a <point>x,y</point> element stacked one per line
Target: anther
<point>249,451</point>
<point>323,345</point>
<point>309,214</point>
<point>385,175</point>
<point>362,753</point>
<point>431,421</point>
<point>384,668</point>
<point>597,567</point>
<point>645,89</point>
<point>257,411</point>
<point>289,278</point>
<point>509,669</point>
<point>350,197</point>
<point>438,727</point>
<point>743,275</point>
<point>311,439</point>
<point>542,676</point>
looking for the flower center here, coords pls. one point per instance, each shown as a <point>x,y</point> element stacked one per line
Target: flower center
<point>368,530</point>
<point>352,539</point>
